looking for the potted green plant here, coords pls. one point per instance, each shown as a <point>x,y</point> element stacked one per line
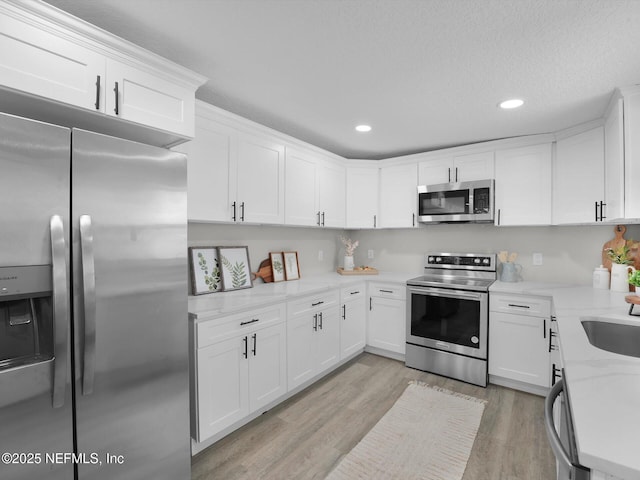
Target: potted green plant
<point>634,279</point>
<point>621,261</point>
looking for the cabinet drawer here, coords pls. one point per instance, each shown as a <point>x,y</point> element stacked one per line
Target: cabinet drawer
<point>520,305</point>
<point>388,290</point>
<point>313,303</point>
<point>221,328</point>
<point>352,292</point>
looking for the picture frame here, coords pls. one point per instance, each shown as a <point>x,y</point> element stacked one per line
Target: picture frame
<point>205,270</point>
<point>277,266</point>
<point>291,265</point>
<point>235,268</point>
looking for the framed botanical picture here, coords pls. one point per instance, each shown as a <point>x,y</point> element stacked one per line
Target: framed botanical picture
<point>235,268</point>
<point>277,266</point>
<point>205,270</point>
<point>291,267</point>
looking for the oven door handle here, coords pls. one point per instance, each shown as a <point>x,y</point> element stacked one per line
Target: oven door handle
<point>440,292</point>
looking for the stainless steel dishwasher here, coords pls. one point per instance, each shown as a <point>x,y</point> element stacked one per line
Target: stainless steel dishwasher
<point>563,442</point>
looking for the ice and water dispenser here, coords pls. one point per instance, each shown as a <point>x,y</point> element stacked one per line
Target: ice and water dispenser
<point>26,315</point>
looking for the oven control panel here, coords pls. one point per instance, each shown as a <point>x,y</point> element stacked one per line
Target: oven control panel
<point>452,260</point>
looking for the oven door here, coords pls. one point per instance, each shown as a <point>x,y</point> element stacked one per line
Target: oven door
<point>451,320</point>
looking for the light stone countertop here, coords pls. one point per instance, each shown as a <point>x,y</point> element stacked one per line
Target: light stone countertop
<point>206,307</point>
<point>604,387</point>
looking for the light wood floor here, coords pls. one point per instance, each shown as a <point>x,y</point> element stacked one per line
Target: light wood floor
<point>304,437</point>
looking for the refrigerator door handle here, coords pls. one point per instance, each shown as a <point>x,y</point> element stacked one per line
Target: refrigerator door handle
<point>60,310</point>
<point>89,295</point>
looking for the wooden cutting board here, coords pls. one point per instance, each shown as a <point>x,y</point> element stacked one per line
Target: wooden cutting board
<point>264,271</point>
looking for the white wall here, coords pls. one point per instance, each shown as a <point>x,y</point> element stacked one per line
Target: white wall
<point>264,239</point>
<point>570,253</point>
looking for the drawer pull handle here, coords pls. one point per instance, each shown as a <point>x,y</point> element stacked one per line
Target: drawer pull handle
<point>519,306</point>
<point>355,293</point>
<point>386,291</point>
<point>255,343</point>
<point>246,347</point>
<point>317,303</point>
<point>253,320</point>
<point>315,322</point>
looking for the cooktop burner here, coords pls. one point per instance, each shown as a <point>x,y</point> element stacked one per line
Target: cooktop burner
<point>462,271</point>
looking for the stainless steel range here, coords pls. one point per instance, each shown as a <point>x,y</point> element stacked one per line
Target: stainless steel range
<point>448,316</point>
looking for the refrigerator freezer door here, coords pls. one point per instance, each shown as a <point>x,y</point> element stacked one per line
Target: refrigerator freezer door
<point>34,187</point>
<point>130,304</point>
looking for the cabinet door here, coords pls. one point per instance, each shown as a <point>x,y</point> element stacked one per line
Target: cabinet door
<point>475,166</point>
<point>332,194</point>
<point>260,180</point>
<point>222,384</point>
<point>518,348</point>
<point>387,325</point>
<point>632,155</point>
<point>328,339</point>
<point>578,174</point>
<point>301,196</point>
<point>209,160</point>
<point>144,98</point>
<point>353,327</point>
<point>362,197</point>
<point>301,349</point>
<point>37,62</point>
<point>523,186</point>
<point>398,195</point>
<point>614,162</point>
<point>267,365</point>
<point>434,171</point>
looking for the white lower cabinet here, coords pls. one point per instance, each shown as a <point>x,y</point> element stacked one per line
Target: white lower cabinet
<point>240,366</point>
<point>353,324</point>
<point>519,341</point>
<point>386,326</point>
<point>313,337</point>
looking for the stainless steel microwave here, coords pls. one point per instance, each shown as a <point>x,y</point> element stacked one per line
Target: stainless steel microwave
<point>471,202</point>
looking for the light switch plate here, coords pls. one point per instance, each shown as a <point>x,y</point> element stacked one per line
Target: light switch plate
<point>370,254</point>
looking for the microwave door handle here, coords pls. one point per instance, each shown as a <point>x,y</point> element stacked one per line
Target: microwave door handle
<point>60,310</point>
<point>89,301</point>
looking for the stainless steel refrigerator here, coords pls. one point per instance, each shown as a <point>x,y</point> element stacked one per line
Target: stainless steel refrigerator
<point>93,303</point>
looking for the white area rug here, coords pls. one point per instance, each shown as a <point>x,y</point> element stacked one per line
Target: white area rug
<point>427,434</point>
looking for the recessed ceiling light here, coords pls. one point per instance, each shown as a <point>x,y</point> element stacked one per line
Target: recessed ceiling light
<point>512,103</point>
<point>363,128</point>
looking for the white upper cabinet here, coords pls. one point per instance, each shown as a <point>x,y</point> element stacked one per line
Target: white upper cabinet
<point>456,168</point>
<point>210,158</point>
<point>301,195</point>
<point>523,185</point>
<point>332,192</point>
<point>315,190</point>
<point>39,62</point>
<point>259,180</point>
<point>362,195</point>
<point>138,96</point>
<point>614,160</point>
<point>578,178</point>
<point>50,55</point>
<point>398,195</point>
<point>622,155</point>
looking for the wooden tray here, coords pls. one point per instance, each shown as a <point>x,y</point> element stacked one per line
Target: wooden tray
<point>355,271</point>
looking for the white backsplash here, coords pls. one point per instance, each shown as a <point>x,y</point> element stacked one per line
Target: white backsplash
<point>570,253</point>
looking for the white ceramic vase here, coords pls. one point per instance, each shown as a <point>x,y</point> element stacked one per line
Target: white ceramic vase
<point>620,277</point>
<point>348,263</point>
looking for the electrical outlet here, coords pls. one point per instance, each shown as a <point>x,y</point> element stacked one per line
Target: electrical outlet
<point>320,255</point>
<point>537,259</point>
<point>370,254</point>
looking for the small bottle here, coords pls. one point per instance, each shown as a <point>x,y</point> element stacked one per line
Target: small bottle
<point>601,278</point>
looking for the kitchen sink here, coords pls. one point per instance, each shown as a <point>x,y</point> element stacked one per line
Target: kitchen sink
<point>613,337</point>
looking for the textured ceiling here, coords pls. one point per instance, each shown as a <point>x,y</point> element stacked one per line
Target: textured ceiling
<point>425,74</point>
